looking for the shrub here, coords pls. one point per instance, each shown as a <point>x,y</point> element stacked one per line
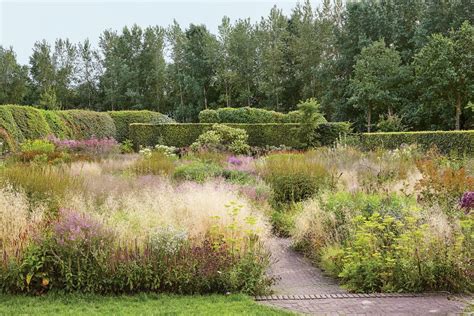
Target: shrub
<point>197,171</point>
<point>446,141</point>
<point>222,138</point>
<point>310,119</point>
<point>123,119</point>
<point>37,146</point>
<point>293,177</point>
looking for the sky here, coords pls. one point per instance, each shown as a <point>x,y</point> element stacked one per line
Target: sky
<point>23,22</point>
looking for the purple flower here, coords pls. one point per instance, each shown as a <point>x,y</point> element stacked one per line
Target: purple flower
<point>73,226</point>
<point>234,161</point>
<point>241,163</point>
<point>467,201</point>
<point>92,146</point>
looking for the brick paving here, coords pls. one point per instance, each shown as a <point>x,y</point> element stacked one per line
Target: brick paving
<point>303,288</point>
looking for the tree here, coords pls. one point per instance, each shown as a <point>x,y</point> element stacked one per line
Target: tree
<point>87,74</point>
<point>376,76</point>
<point>13,78</point>
<point>243,58</point>
<point>225,72</point>
<point>445,72</point>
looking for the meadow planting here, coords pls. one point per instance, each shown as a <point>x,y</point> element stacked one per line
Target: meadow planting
<point>91,216</point>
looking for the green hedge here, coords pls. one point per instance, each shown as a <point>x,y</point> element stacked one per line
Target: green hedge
<point>30,121</point>
<point>85,124</point>
<point>19,123</point>
<point>446,141</point>
<point>247,115</point>
<point>123,119</point>
<point>261,135</point>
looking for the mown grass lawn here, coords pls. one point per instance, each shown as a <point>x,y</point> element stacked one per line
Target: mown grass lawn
<point>133,305</point>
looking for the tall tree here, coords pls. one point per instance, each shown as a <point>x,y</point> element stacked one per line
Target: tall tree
<point>376,77</point>
<point>13,78</point>
<point>273,38</point>
<point>445,73</point>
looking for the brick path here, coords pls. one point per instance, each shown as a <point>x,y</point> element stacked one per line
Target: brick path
<point>303,288</point>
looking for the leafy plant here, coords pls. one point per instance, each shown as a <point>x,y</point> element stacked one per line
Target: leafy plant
<point>223,138</point>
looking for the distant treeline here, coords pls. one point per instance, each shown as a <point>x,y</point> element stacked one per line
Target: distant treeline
<point>382,65</point>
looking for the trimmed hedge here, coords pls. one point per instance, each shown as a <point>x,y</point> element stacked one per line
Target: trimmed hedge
<point>247,115</point>
<point>30,121</point>
<point>261,135</point>
<point>85,124</point>
<point>19,123</point>
<point>446,141</point>
<point>123,119</point>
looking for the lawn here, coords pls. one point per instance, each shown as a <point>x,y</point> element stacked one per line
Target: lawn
<point>133,305</point>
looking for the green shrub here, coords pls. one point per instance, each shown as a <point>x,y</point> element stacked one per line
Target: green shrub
<point>209,116</point>
<point>197,171</point>
<point>293,177</point>
<point>37,146</point>
<point>447,142</point>
<point>260,135</point>
<point>87,124</point>
<point>122,120</point>
<point>222,138</point>
<point>247,115</point>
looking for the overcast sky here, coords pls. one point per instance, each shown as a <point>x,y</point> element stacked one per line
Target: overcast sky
<point>25,21</point>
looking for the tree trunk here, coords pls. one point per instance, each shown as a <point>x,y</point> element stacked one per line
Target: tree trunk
<point>390,111</point>
<point>458,111</point>
<point>369,118</point>
<point>227,95</point>
<point>248,93</point>
<point>205,97</point>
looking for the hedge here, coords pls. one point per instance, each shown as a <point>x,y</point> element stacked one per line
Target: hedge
<point>247,115</point>
<point>123,119</point>
<point>18,123</point>
<point>446,141</point>
<point>85,124</point>
<point>261,135</point>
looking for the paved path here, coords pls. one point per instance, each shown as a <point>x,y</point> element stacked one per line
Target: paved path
<point>303,288</point>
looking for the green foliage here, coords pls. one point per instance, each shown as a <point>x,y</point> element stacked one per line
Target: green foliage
<point>38,146</point>
<point>86,124</point>
<point>390,123</point>
<point>310,119</point>
<point>293,177</point>
<point>376,75</point>
<point>123,119</point>
<point>30,121</point>
<point>446,141</point>
<point>156,163</point>
<point>223,138</point>
<point>197,171</point>
<point>126,147</point>
<point>260,135</point>
<point>48,99</point>
<point>58,126</point>
<point>247,115</point>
